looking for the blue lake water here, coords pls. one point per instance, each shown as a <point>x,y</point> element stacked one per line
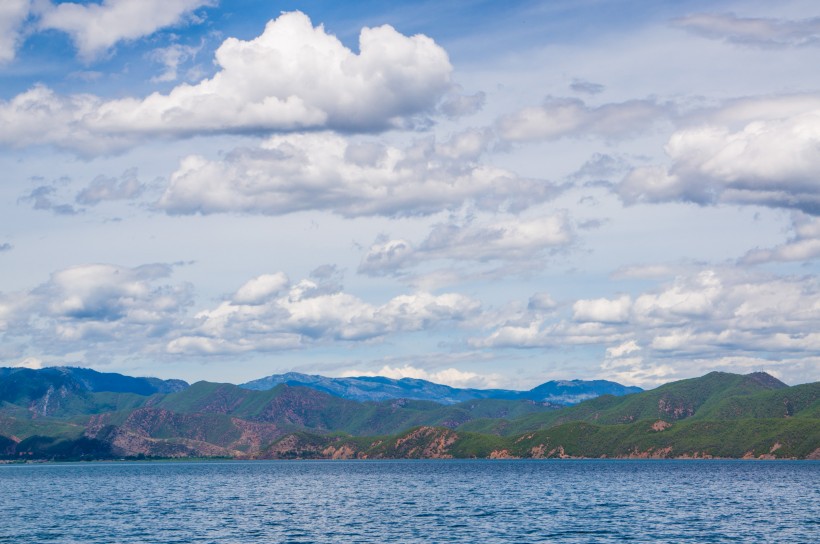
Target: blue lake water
<point>411,501</point>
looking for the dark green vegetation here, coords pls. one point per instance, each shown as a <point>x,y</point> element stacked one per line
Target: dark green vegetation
<point>72,414</point>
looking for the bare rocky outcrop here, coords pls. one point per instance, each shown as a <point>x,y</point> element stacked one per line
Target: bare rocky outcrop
<point>675,409</point>
<point>660,425</point>
<point>540,452</point>
<point>345,451</point>
<point>502,454</point>
<point>426,443</point>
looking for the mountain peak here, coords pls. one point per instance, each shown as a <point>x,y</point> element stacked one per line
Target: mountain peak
<point>766,380</point>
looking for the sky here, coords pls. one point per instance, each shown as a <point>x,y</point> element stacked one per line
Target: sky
<point>477,193</point>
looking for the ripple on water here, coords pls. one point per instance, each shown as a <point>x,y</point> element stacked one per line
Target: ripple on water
<point>411,502</point>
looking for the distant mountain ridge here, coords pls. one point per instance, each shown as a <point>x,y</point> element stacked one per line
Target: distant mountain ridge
<point>70,414</point>
<point>379,388</point>
<point>92,380</point>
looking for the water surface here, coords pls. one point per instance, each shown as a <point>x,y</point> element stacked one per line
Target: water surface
<point>411,501</point>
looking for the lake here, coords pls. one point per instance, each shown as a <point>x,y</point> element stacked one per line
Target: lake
<point>484,501</point>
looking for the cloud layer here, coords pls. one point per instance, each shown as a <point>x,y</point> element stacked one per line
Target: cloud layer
<point>571,117</point>
<point>759,152</point>
<point>293,77</point>
<point>269,313</point>
<point>325,171</point>
<point>700,317</point>
<point>83,307</point>
<point>753,31</point>
<point>506,241</point>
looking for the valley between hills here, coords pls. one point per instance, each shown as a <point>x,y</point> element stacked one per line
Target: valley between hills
<point>67,414</point>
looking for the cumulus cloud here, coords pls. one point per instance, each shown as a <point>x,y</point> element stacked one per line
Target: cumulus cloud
<point>293,77</point>
<point>324,171</point>
<point>602,310</point>
<point>103,188</point>
<point>82,307</point>
<point>13,14</point>
<point>260,289</point>
<point>710,315</point>
<point>95,28</point>
<point>6,246</point>
<point>770,160</point>
<point>506,240</point>
<point>571,117</point>
<point>753,31</point>
<point>268,313</point>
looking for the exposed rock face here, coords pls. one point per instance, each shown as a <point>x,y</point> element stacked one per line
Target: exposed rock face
<point>675,409</point>
<point>345,451</point>
<point>162,433</point>
<point>540,452</point>
<point>255,436</point>
<point>295,407</point>
<point>660,425</point>
<point>502,454</point>
<point>426,443</point>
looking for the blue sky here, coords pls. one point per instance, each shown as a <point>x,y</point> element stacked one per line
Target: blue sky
<point>478,193</point>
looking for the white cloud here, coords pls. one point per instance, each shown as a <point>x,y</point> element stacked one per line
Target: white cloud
<point>95,28</point>
<point>710,315</point>
<point>324,171</point>
<point>753,31</point>
<point>292,77</point>
<point>259,289</point>
<point>309,312</point>
<point>571,117</point>
<point>623,349</point>
<point>29,362</point>
<point>771,159</point>
<point>13,14</point>
<point>505,240</point>
<point>602,310</point>
<point>448,376</point>
<point>122,310</point>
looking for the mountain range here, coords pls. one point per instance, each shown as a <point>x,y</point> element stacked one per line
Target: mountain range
<point>376,388</point>
<point>71,413</point>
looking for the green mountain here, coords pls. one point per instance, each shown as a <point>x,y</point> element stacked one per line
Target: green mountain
<point>717,395</point>
<point>57,415</point>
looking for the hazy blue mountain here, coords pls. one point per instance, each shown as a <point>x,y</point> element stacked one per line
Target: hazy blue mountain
<point>86,379</point>
<point>366,388</point>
